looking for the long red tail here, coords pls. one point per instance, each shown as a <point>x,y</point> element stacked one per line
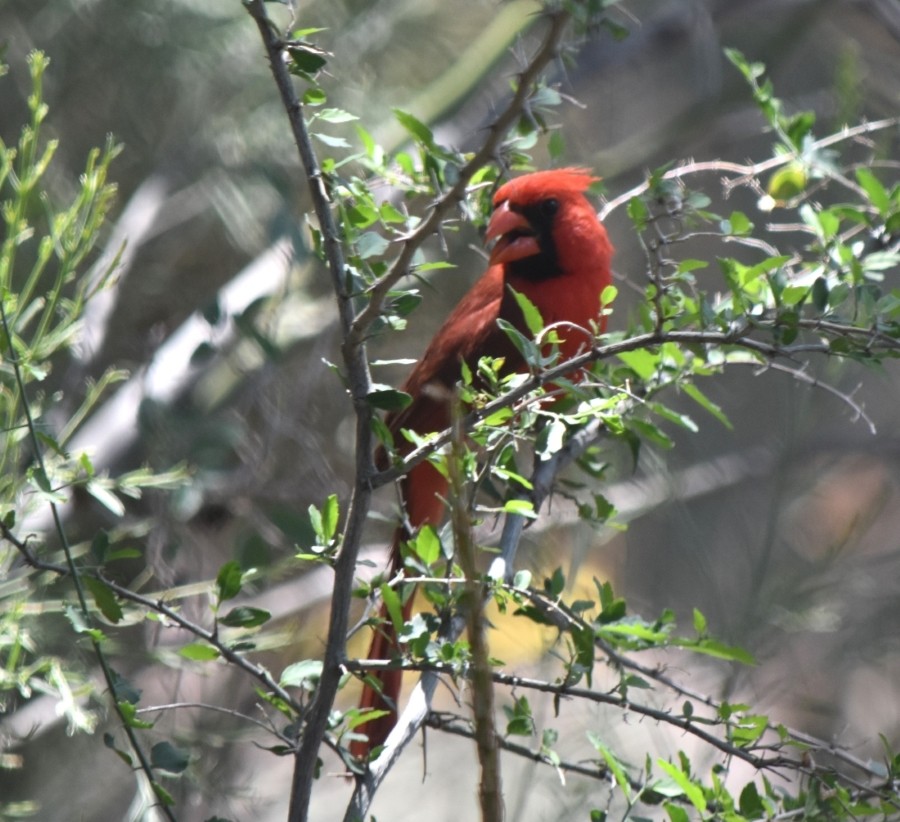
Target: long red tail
<point>385,697</point>
<point>424,490</point>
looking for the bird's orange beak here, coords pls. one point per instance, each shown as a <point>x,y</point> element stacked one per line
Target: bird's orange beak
<point>515,238</point>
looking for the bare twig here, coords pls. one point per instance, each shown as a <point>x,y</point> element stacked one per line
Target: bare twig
<point>744,172</point>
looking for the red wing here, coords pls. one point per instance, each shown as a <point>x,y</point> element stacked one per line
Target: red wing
<point>469,333</point>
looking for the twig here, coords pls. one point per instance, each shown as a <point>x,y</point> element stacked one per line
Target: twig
<point>548,51</point>
<point>158,606</point>
<point>456,725</point>
<point>109,678</point>
<point>745,172</point>
<point>221,709</point>
<point>490,792</point>
<point>357,366</point>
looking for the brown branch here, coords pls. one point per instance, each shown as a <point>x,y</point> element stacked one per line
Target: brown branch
<point>456,725</point>
<point>360,383</point>
<point>497,131</point>
<point>490,792</point>
<point>746,171</point>
<point>157,606</point>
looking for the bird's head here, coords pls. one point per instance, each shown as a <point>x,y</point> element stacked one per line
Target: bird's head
<point>543,226</point>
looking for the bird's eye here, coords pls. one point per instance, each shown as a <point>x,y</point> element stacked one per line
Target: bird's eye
<point>549,207</point>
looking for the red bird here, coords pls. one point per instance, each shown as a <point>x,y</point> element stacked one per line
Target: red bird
<point>549,246</point>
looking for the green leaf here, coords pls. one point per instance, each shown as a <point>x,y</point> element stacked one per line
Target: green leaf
<point>526,347</point>
<point>434,265</point>
<point>229,580</point>
<point>676,813</point>
<point>608,295</point>
<point>426,545</point>
<point>302,34</point>
<point>787,182</point>
<point>738,224</point>
<point>643,362</point>
<point>520,720</point>
<point>166,757</point>
<point>104,598</point>
<point>612,763</point>
<point>100,547</point>
<point>650,432</point>
<point>314,97</point>
<point>693,792</point>
<point>638,212</point>
<point>163,795</point>
<point>751,804</point>
<point>520,507</point>
<point>415,127</point>
<point>105,497</point>
<point>125,692</point>
<point>556,584</point>
<point>129,715</point>
<point>712,647</point>
<point>199,652</point>
<point>550,439</point>
<point>820,293</point>
<point>875,191</point>
<point>305,60</point>
<point>704,402</point>
<point>388,399</point>
<point>245,617</point>
<point>330,517</point>
<point>302,674</point>
<point>330,140</point>
<point>371,244</point>
<point>700,624</point>
<point>522,579</point>
<point>533,319</point>
<point>110,743</point>
<point>335,115</point>
<point>612,608</point>
<point>393,605</point>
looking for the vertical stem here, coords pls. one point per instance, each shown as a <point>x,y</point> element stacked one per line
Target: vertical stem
<point>490,792</point>
<point>357,369</point>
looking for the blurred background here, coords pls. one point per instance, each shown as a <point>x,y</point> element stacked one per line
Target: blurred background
<point>785,531</point>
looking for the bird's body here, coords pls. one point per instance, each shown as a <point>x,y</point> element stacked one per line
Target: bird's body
<point>549,246</point>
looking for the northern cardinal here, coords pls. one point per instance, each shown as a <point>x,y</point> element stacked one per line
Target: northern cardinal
<point>548,245</point>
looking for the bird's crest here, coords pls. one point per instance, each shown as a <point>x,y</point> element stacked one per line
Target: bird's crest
<point>550,183</point>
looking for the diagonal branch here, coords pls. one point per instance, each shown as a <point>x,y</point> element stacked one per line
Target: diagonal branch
<point>497,131</point>
<point>747,171</point>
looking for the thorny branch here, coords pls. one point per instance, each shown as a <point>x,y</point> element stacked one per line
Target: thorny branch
<point>690,725</point>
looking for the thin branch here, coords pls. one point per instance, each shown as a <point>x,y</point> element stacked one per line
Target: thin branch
<point>801,375</point>
<point>744,172</point>
<point>221,709</point>
<point>457,726</point>
<point>158,606</point>
<point>490,792</point>
<point>737,337</point>
<point>688,725</point>
<point>496,133</point>
<point>360,383</point>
